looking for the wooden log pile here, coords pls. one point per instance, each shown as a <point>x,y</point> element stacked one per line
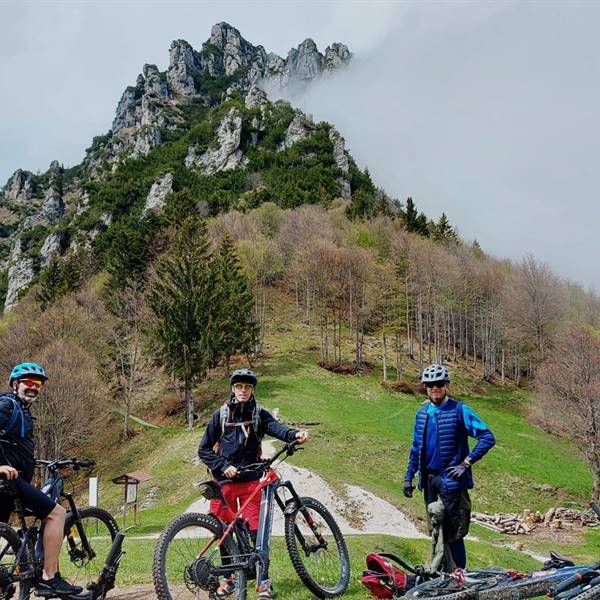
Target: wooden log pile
<point>528,521</point>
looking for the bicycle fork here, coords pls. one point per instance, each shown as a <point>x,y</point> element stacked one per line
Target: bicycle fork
<point>292,506</point>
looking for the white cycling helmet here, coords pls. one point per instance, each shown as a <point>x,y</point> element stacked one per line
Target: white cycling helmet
<point>435,373</point>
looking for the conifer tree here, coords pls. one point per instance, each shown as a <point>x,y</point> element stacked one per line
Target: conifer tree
<point>238,328</point>
<point>442,231</point>
<point>415,221</point>
<point>182,298</point>
<point>51,283</point>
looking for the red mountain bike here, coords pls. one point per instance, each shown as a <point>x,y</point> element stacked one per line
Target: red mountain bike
<point>195,550</point>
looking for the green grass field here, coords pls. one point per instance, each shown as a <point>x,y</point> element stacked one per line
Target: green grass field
<point>360,434</point>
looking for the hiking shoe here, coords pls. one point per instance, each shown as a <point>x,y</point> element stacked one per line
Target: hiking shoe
<point>57,586</point>
<point>226,588</point>
<point>265,590</point>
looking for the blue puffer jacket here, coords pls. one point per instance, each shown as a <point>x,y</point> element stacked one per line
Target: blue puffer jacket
<point>455,423</point>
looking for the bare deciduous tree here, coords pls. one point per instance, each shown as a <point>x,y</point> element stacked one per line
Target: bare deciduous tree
<point>568,387</point>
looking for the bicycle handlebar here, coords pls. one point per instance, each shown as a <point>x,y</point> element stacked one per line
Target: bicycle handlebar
<point>288,449</point>
<point>64,463</point>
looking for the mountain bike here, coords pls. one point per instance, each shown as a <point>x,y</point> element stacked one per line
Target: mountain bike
<point>91,551</point>
<point>195,550</point>
<point>558,575</point>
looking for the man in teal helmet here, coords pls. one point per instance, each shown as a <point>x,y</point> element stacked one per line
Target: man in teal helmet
<point>17,462</point>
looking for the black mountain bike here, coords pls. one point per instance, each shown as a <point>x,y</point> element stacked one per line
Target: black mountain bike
<point>194,551</point>
<point>91,551</point>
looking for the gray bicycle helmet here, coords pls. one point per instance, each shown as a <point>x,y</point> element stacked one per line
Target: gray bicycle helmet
<point>243,376</point>
<point>435,373</point>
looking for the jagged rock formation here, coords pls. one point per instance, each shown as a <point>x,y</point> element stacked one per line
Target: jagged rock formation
<point>227,155</point>
<point>341,160</point>
<point>160,107</point>
<point>158,193</point>
<point>53,245</point>
<point>19,187</point>
<point>299,129</point>
<point>21,273</point>
<point>154,102</point>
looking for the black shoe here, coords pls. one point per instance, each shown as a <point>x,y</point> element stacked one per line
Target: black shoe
<point>57,586</point>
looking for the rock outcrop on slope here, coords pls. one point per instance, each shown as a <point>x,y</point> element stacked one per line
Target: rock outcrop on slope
<point>48,214</point>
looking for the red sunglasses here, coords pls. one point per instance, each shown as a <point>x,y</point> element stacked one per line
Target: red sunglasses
<point>32,383</point>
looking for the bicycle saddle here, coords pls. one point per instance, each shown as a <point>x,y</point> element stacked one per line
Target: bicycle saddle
<point>557,561</point>
<point>210,490</point>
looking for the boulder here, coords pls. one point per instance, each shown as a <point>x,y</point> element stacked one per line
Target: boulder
<point>227,155</point>
<point>341,160</point>
<point>299,129</point>
<point>305,63</point>
<point>336,56</point>
<point>53,244</point>
<point>19,187</point>
<point>183,61</point>
<point>159,191</point>
<point>53,207</point>
<point>237,52</point>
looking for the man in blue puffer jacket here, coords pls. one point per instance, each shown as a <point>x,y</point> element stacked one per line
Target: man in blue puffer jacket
<point>441,456</point>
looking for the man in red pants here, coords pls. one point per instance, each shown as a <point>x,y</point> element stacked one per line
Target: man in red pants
<point>232,440</point>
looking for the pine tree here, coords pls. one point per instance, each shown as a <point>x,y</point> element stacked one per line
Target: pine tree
<point>413,220</point>
<point>182,297</point>
<point>442,231</point>
<point>238,328</point>
<point>51,283</point>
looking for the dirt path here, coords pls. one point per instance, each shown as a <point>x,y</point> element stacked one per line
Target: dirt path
<point>356,510</point>
<point>133,592</point>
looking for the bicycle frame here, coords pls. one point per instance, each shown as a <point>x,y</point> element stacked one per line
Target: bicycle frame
<point>268,487</point>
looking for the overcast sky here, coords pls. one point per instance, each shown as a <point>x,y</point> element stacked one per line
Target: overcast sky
<point>486,111</point>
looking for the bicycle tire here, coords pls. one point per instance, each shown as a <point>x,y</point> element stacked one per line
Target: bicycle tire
<point>523,588</point>
<point>592,594</point>
<point>445,588</point>
<point>173,562</point>
<point>100,528</point>
<point>329,574</point>
<point>9,546</point>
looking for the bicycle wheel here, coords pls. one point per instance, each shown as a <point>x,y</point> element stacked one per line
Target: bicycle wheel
<point>592,593</point>
<point>475,583</point>
<point>317,548</point>
<point>186,555</point>
<point>9,545</point>
<point>77,564</point>
<point>519,588</point>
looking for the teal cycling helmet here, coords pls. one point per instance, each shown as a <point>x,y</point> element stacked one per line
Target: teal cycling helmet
<point>27,369</point>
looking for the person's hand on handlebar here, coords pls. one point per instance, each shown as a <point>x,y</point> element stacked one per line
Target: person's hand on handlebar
<point>302,437</point>
<point>8,472</point>
<point>230,472</point>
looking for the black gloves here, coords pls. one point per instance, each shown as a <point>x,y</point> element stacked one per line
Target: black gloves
<point>458,471</point>
<point>408,489</point>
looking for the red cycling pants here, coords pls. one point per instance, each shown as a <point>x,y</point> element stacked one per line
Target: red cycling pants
<point>236,493</point>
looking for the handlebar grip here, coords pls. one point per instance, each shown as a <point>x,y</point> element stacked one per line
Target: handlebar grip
<point>565,584</point>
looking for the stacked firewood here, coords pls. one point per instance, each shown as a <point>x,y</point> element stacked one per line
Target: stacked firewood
<point>525,523</point>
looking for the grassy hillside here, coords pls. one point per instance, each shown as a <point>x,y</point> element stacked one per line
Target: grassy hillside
<point>360,434</point>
